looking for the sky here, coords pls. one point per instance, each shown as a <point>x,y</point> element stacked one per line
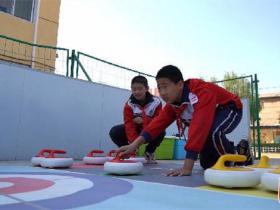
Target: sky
<point>204,38</point>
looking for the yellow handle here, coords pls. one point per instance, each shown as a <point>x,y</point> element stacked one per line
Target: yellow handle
<point>275,171</point>
<point>263,163</point>
<point>220,164</point>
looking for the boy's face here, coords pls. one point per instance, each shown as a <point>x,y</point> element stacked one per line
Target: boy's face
<point>169,91</point>
<point>139,91</point>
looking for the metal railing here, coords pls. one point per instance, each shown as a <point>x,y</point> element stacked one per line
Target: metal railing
<point>104,72</point>
<point>270,148</point>
<point>42,57</point>
<point>247,87</point>
<point>76,65</point>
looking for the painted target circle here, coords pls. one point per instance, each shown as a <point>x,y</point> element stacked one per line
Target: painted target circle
<point>58,190</point>
<point>23,184</point>
<point>5,184</point>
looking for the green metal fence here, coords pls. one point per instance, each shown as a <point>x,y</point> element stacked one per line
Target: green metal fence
<point>71,64</point>
<point>98,70</point>
<point>42,57</point>
<point>247,87</point>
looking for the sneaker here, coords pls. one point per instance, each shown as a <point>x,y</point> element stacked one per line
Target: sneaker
<point>150,158</point>
<point>243,148</point>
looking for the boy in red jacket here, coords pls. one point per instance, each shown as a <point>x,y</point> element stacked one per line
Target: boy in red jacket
<point>208,110</point>
<point>139,110</point>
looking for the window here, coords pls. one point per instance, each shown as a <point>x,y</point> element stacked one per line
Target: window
<point>7,6</point>
<point>20,8</point>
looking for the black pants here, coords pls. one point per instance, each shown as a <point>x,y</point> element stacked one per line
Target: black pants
<point>225,121</point>
<point>118,136</point>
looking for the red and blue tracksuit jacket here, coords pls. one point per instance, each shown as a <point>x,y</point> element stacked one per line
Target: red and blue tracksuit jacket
<point>147,111</point>
<point>196,110</point>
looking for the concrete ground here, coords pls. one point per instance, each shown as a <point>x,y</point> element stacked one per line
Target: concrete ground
<point>87,187</point>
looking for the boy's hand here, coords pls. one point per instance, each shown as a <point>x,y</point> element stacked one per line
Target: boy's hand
<point>127,149</point>
<point>131,147</point>
<point>138,120</point>
<point>186,170</point>
<point>179,172</point>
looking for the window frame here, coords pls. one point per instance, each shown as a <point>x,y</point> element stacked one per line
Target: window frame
<point>32,16</point>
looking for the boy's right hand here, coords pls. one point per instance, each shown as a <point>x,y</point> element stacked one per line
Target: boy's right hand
<point>127,149</point>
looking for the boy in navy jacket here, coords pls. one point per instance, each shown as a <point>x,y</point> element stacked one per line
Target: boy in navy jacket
<point>208,110</point>
<point>138,112</point>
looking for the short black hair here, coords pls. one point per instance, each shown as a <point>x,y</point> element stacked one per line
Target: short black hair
<point>170,72</point>
<point>140,79</point>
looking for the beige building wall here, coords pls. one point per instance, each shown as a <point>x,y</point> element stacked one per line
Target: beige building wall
<point>270,112</point>
<point>269,135</point>
<point>16,27</point>
<point>270,117</point>
<point>47,28</point>
<point>19,29</point>
<point>48,22</point>
<point>43,31</point>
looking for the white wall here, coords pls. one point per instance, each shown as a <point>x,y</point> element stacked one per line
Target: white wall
<point>42,110</point>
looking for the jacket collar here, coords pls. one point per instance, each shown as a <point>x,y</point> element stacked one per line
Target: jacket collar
<point>148,99</point>
<point>185,96</point>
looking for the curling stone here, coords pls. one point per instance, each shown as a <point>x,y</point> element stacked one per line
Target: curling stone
<point>270,179</point>
<point>121,166</point>
<point>36,161</point>
<point>230,177</point>
<point>133,157</point>
<point>262,166</point>
<point>95,160</point>
<point>56,162</point>
<point>111,155</point>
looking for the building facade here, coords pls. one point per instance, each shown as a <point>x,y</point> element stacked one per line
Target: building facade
<point>270,117</point>
<point>32,21</point>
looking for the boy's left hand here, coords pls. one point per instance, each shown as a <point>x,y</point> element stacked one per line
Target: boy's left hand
<point>186,170</point>
<point>179,172</point>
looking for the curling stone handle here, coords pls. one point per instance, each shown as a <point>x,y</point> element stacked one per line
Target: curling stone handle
<point>90,154</point>
<point>263,163</point>
<point>118,158</point>
<point>111,153</point>
<point>220,164</point>
<point>56,151</point>
<point>43,153</point>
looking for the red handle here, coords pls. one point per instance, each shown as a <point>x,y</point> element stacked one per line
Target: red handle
<point>132,154</point>
<point>120,159</point>
<point>112,153</point>
<point>43,153</point>
<point>117,158</point>
<point>55,151</point>
<point>90,154</point>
